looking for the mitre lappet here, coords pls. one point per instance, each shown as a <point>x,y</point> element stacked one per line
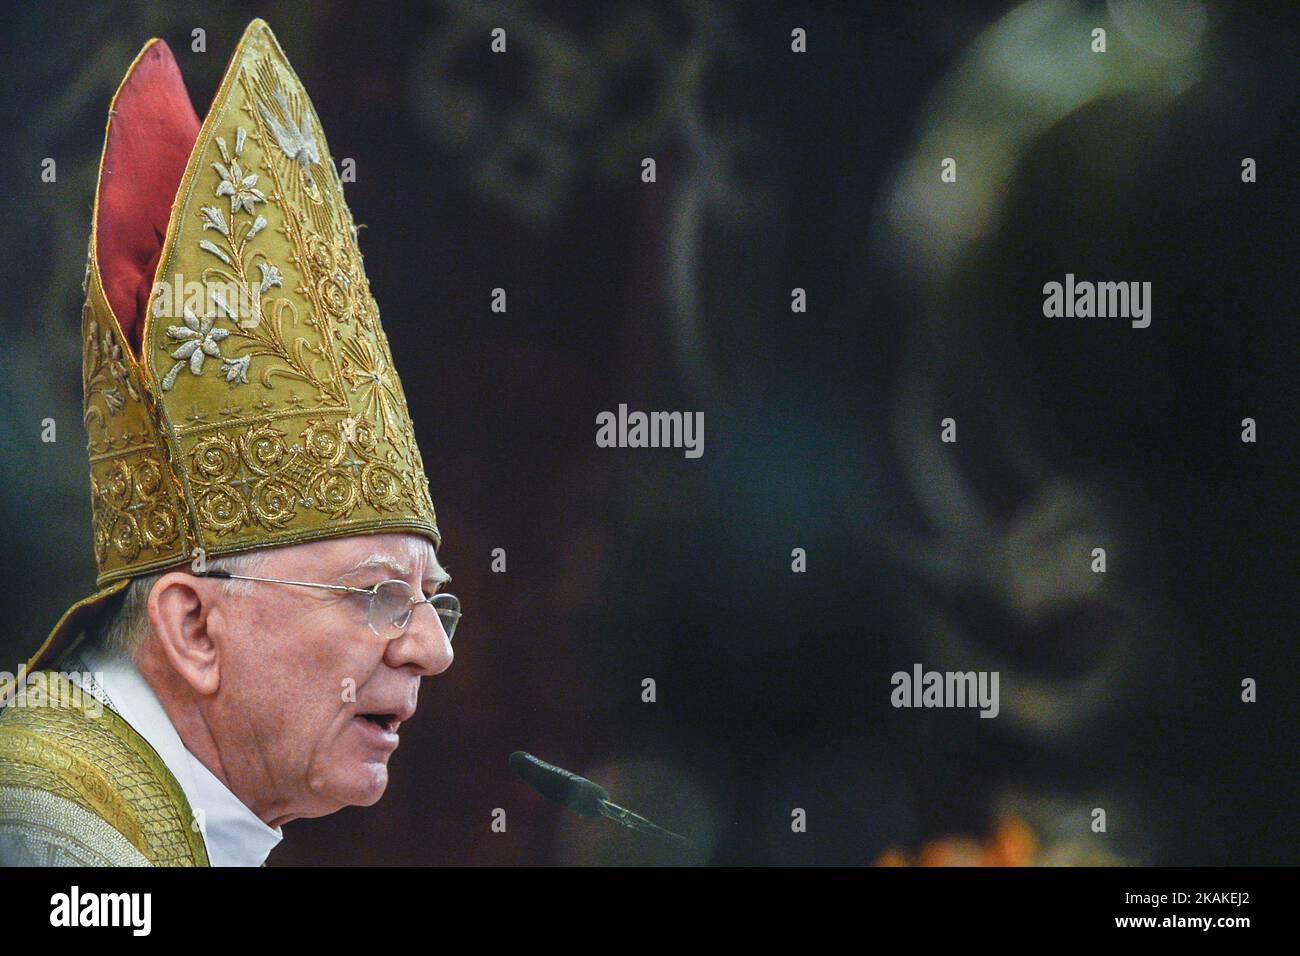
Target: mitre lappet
<point>239,389</point>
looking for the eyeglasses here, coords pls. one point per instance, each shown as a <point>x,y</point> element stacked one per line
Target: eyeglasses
<point>391,602</point>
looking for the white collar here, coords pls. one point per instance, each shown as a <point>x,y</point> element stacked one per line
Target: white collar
<point>234,834</point>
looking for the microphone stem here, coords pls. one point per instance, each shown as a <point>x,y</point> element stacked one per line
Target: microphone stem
<point>634,821</point>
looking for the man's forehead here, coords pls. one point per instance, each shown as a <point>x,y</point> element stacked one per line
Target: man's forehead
<point>405,553</point>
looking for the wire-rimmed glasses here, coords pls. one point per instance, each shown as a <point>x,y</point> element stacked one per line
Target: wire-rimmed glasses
<point>391,604</point>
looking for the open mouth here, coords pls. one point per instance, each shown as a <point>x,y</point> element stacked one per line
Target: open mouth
<point>386,722</point>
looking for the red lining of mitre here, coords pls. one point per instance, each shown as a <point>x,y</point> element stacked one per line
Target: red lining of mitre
<point>151,134</point>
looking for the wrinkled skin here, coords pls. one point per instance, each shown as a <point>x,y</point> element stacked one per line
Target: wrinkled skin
<point>265,683</point>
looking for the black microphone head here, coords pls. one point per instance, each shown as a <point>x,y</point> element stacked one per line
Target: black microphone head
<point>567,789</point>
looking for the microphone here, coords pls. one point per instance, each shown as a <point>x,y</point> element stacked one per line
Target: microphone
<point>585,797</point>
<point>559,786</point>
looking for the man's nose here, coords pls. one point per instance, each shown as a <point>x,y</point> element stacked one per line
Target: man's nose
<point>424,643</point>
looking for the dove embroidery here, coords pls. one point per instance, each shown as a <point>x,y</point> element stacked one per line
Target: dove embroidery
<point>297,140</point>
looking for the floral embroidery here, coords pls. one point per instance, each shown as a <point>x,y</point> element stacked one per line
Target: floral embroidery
<point>257,320</point>
<point>270,274</point>
<point>236,369</point>
<point>242,189</point>
<point>199,338</point>
<point>105,371</point>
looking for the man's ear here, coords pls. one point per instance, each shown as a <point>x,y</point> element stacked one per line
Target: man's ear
<point>180,607</point>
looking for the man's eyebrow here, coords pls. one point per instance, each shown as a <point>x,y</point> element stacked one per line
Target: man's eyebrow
<point>436,574</point>
<point>379,561</point>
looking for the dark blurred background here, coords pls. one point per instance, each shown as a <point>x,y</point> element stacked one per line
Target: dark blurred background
<point>778,170</point>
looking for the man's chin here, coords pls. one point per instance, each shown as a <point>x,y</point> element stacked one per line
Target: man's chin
<point>356,772</point>
<point>369,783</point>
<point>351,783</point>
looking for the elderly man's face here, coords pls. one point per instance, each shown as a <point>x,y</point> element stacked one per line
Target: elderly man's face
<point>312,696</point>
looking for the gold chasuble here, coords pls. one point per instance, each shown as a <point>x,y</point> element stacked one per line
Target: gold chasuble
<point>79,787</point>
<point>239,394</point>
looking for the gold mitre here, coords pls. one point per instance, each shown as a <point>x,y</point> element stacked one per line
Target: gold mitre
<point>242,394</point>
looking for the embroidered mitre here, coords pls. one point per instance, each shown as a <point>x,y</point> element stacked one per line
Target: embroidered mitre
<point>239,389</point>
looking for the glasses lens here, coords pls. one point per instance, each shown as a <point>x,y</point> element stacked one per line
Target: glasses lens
<point>448,608</point>
<point>390,608</point>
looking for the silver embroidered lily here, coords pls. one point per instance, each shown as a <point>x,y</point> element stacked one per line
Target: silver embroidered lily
<point>241,189</point>
<point>214,219</point>
<point>270,276</point>
<point>236,369</point>
<point>199,338</point>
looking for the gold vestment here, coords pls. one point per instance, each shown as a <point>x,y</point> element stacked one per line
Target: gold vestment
<point>79,787</point>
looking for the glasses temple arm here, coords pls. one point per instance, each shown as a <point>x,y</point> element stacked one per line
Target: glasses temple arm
<point>226,575</point>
